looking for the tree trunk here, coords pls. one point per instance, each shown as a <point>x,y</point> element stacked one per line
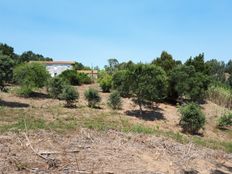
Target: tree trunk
<point>140,108</point>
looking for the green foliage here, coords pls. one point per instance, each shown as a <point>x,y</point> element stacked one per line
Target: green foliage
<point>165,61</point>
<point>70,76</point>
<point>114,100</point>
<point>25,91</point>
<point>112,67</point>
<point>145,83</point>
<point>55,87</point>
<point>84,78</point>
<point>197,62</point>
<point>6,70</point>
<point>192,118</point>
<point>119,82</point>
<point>216,70</point>
<point>80,66</point>
<point>105,81</point>
<point>93,97</point>
<point>70,95</point>
<point>30,56</point>
<point>228,67</point>
<point>31,75</point>
<point>186,82</point>
<point>7,50</point>
<point>225,120</point>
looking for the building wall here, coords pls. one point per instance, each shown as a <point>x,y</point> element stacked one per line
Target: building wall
<point>57,69</point>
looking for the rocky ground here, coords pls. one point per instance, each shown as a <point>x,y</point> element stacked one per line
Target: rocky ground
<point>87,151</point>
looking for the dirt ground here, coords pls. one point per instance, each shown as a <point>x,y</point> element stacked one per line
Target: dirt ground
<point>86,151</point>
<point>109,152</point>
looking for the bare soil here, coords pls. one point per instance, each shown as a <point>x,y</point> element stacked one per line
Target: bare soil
<point>109,152</point>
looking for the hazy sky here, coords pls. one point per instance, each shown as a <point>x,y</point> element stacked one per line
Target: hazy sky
<point>92,31</point>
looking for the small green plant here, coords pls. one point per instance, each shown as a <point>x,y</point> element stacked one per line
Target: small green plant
<point>225,120</point>
<point>114,100</point>
<point>70,95</point>
<point>25,91</point>
<point>105,81</point>
<point>55,87</point>
<point>92,96</point>
<point>192,118</point>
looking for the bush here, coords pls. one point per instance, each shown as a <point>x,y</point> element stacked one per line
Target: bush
<point>114,100</point>
<point>55,87</point>
<point>70,76</point>
<point>119,82</point>
<point>70,95</point>
<point>225,120</point>
<point>105,82</point>
<point>84,78</point>
<point>25,91</point>
<point>31,75</point>
<point>92,96</point>
<point>192,118</point>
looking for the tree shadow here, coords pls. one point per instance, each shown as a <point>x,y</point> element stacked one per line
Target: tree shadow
<point>39,95</point>
<point>13,104</point>
<point>146,115</point>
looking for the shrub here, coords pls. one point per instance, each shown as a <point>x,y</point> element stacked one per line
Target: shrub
<point>119,82</point>
<point>70,95</point>
<point>105,82</point>
<point>92,96</point>
<point>70,76</point>
<point>225,120</point>
<point>114,100</point>
<point>55,87</point>
<point>25,91</point>
<point>84,78</point>
<point>31,75</point>
<point>192,118</point>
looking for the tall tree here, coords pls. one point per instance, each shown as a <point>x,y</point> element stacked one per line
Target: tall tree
<point>30,56</point>
<point>198,63</point>
<point>112,66</point>
<point>165,61</point>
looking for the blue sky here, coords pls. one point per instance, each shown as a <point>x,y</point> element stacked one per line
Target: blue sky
<point>92,31</point>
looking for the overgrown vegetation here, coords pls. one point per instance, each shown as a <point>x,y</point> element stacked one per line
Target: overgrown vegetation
<point>225,120</point>
<point>31,76</point>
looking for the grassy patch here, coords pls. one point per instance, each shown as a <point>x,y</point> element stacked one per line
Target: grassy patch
<point>15,120</point>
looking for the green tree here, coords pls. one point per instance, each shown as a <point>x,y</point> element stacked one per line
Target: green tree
<point>186,82</point>
<point>80,66</point>
<point>119,82</point>
<point>228,67</point>
<point>7,50</point>
<point>70,95</point>
<point>93,97</point>
<point>146,83</point>
<point>192,118</point>
<point>165,61</point>
<point>6,70</point>
<point>31,75</point>
<point>30,56</point>
<point>216,70</point>
<point>197,62</point>
<point>112,67</point>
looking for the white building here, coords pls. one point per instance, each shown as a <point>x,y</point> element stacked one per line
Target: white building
<point>56,67</point>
